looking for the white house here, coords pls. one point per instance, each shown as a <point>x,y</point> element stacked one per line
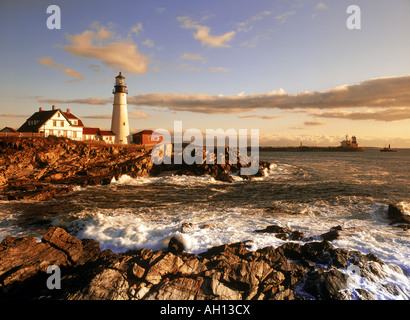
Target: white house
<point>54,122</point>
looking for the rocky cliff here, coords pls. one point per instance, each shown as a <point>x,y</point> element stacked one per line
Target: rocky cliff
<point>42,168</point>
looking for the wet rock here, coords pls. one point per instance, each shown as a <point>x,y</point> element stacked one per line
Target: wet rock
<point>73,247</point>
<point>22,258</point>
<point>167,264</point>
<point>326,285</point>
<point>187,227</point>
<point>331,235</point>
<point>282,232</point>
<point>229,271</point>
<point>175,246</point>
<point>108,284</point>
<point>273,229</point>
<point>397,215</point>
<point>178,289</point>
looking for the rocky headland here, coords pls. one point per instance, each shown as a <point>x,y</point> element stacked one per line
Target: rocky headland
<point>43,168</point>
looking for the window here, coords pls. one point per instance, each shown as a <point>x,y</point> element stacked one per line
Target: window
<point>58,114</point>
<point>61,123</point>
<point>74,134</point>
<point>54,123</point>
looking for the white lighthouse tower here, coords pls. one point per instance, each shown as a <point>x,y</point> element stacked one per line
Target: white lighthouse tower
<point>119,120</point>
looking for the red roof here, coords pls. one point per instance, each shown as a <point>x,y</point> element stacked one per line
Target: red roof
<point>107,133</point>
<point>90,130</point>
<point>70,116</point>
<point>144,132</point>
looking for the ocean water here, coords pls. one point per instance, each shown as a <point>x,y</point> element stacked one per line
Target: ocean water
<point>311,192</point>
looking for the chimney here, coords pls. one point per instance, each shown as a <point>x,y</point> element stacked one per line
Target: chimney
<point>68,111</point>
<point>54,107</point>
<point>40,109</point>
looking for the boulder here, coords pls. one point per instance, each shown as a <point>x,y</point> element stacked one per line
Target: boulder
<point>397,215</point>
<point>273,229</point>
<point>175,246</point>
<point>282,232</point>
<point>327,285</point>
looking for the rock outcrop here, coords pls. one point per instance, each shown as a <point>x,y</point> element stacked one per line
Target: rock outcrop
<point>292,271</point>
<point>398,217</point>
<point>43,168</point>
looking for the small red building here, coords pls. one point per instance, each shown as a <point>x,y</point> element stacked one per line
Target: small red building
<point>144,137</point>
<point>107,136</point>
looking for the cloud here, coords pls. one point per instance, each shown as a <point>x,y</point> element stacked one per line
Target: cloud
<point>248,24</point>
<point>376,95</point>
<point>95,67</point>
<point>149,43</point>
<point>260,15</point>
<point>117,54</point>
<point>203,34</point>
<point>313,123</point>
<point>98,116</point>
<point>387,115</point>
<point>72,73</point>
<point>5,115</point>
<point>253,42</point>
<point>187,67</point>
<point>137,29</point>
<point>49,62</point>
<point>266,139</point>
<point>258,116</point>
<point>219,69</point>
<point>320,6</point>
<point>309,123</point>
<point>283,18</point>
<point>139,115</point>
<point>90,101</point>
<point>197,57</point>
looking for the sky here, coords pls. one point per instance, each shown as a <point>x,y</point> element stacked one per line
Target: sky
<point>295,70</point>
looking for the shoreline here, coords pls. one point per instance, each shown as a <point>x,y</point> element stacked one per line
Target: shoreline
<point>292,271</point>
<point>44,168</point>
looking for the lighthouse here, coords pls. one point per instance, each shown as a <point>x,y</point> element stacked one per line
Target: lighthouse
<point>119,120</point>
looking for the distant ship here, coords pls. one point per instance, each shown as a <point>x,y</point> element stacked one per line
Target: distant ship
<point>387,149</point>
<point>350,145</point>
<point>346,145</point>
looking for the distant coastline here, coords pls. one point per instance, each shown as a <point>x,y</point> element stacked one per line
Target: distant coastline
<point>312,149</point>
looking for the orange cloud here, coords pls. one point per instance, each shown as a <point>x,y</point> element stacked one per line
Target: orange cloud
<point>203,34</point>
<point>49,62</point>
<point>123,55</point>
<point>386,99</point>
